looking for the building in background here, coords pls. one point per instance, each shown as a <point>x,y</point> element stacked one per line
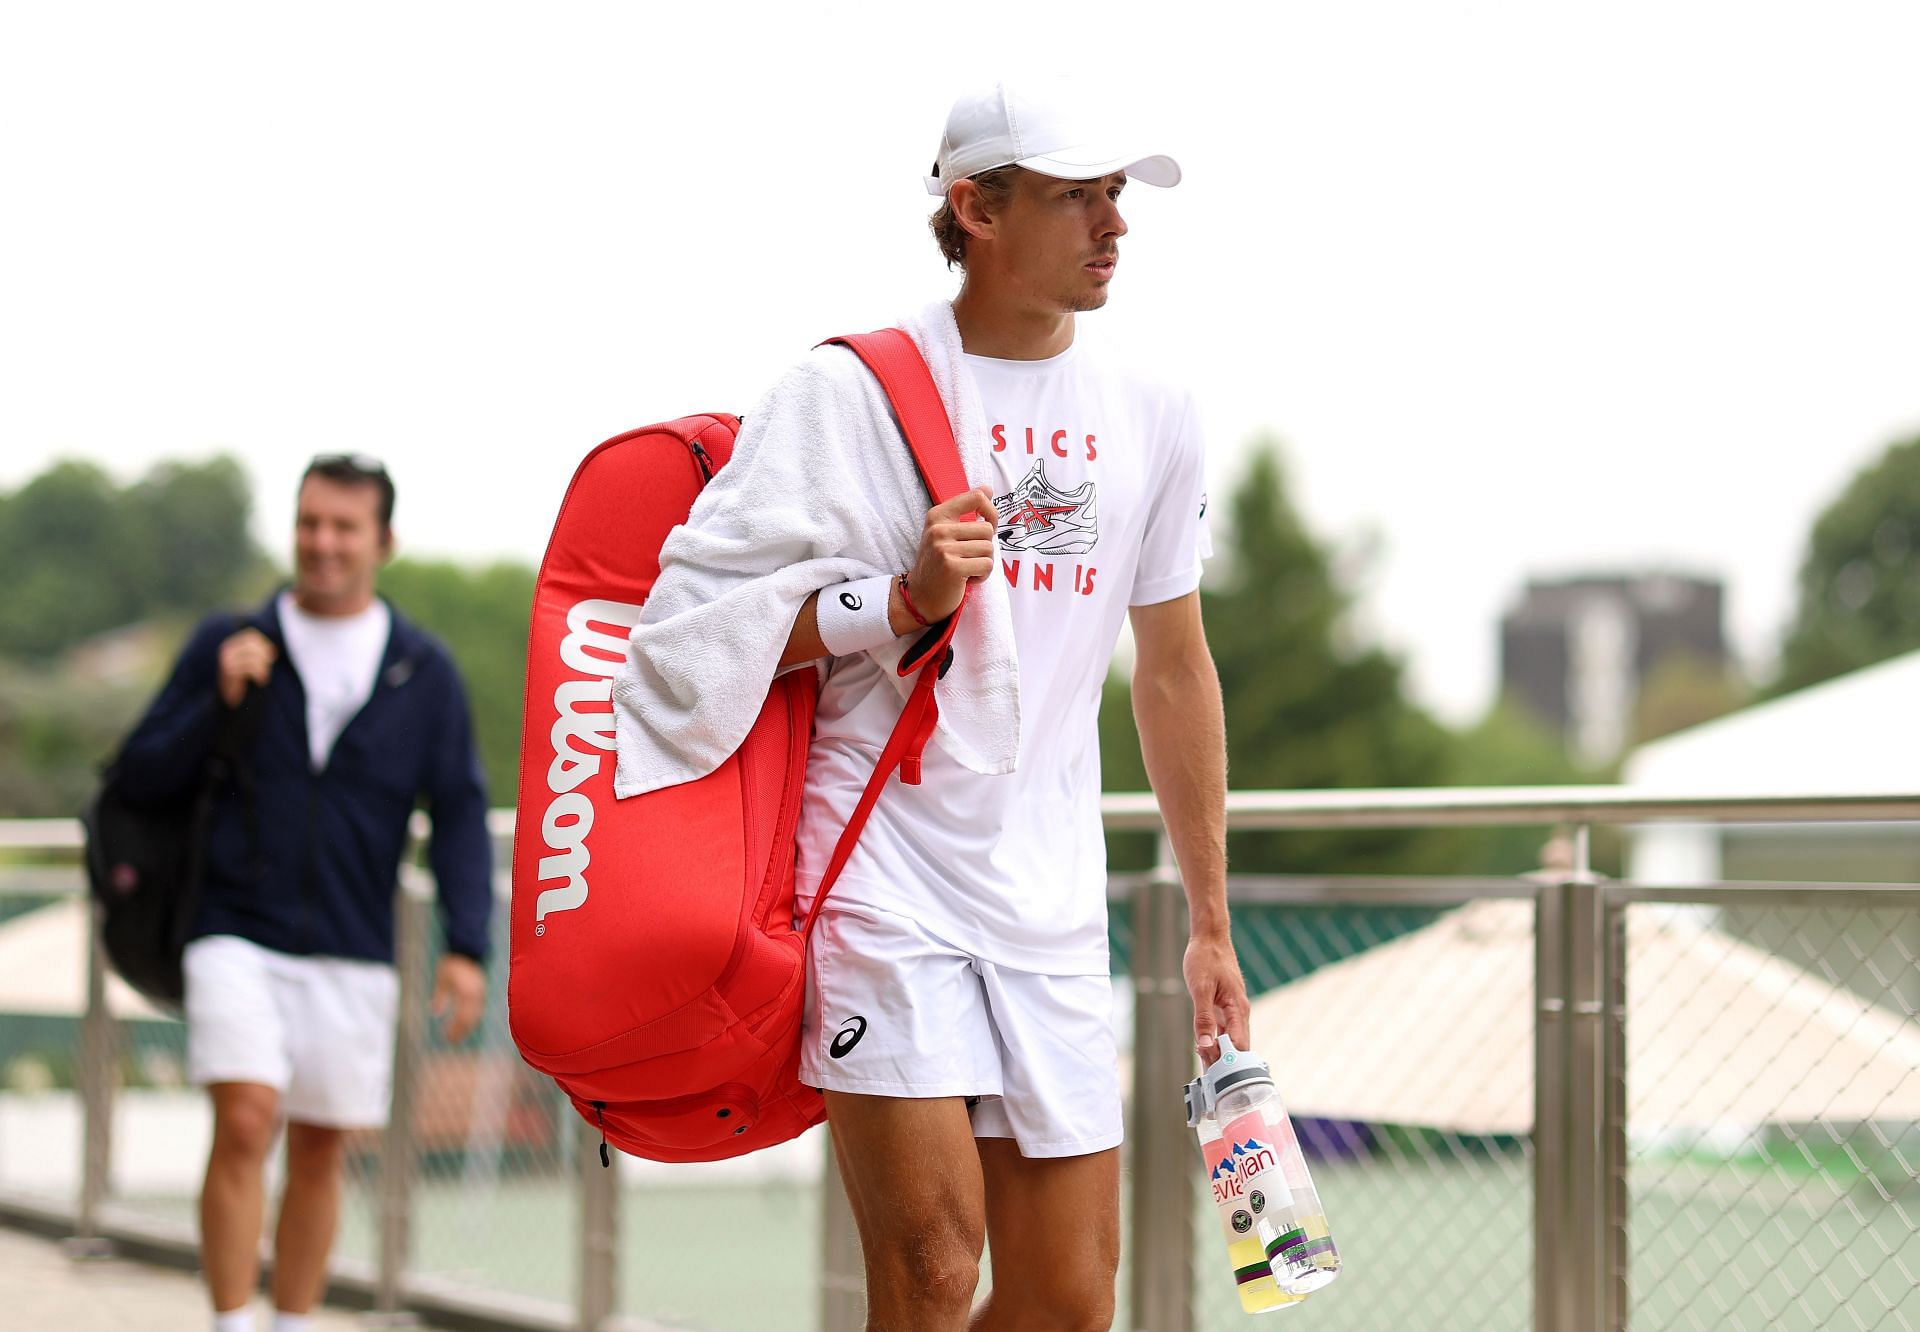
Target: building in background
<point>1577,652</point>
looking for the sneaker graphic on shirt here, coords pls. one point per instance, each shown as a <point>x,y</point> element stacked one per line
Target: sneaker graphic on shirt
<point>1036,516</point>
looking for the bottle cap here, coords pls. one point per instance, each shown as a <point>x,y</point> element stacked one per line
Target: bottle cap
<point>1234,1068</point>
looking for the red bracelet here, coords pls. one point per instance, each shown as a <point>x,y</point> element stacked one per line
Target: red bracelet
<point>912,610</point>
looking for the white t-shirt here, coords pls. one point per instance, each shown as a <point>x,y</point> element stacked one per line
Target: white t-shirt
<point>337,657</point>
<point>1098,480</point>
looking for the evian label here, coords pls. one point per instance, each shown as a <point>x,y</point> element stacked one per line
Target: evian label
<point>582,735</point>
<point>1243,1168</point>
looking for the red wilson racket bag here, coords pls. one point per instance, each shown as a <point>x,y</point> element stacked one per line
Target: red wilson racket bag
<point>654,969</point>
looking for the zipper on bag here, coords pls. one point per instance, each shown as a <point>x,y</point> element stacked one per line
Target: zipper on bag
<point>702,459</point>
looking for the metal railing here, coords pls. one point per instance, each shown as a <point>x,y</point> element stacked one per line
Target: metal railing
<point>1640,1195</point>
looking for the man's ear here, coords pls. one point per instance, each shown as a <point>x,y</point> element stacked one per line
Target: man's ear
<point>970,210</point>
<point>387,546</point>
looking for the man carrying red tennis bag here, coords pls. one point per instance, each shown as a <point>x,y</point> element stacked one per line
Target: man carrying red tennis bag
<point>655,971</point>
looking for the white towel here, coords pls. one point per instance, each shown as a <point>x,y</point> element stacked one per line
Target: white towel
<point>821,489</point>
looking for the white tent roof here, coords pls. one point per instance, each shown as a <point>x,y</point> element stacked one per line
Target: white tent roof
<point>1857,733</point>
<point>1436,1028</point>
<point>43,965</point>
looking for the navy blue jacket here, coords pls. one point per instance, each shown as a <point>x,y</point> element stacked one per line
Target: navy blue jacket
<point>329,842</point>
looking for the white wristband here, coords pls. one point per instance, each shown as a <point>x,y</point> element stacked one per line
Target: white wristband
<point>853,616</point>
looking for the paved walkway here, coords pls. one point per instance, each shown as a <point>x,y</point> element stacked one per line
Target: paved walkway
<point>41,1288</point>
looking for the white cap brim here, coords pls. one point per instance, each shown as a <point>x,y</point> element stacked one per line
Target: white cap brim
<point>1093,162</point>
<point>1089,162</point>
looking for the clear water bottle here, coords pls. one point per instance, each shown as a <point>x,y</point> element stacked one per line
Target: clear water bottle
<point>1276,1229</point>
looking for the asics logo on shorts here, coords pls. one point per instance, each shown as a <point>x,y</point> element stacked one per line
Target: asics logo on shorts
<point>847,1037</point>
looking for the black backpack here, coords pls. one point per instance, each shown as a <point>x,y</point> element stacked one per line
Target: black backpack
<point>145,862</point>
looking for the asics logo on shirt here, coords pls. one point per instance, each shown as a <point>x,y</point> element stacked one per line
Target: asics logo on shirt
<point>1038,516</point>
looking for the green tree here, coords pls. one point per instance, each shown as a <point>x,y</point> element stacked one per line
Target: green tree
<point>1860,579</point>
<point>70,572</point>
<point>1685,690</point>
<point>55,733</point>
<point>83,556</point>
<point>482,615</point>
<point>1510,747</point>
<point>192,519</point>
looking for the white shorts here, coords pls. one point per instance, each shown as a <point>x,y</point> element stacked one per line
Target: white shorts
<point>318,1030</point>
<point>895,1011</point>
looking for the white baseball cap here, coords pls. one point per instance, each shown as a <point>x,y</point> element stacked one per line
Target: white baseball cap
<point>1039,127</point>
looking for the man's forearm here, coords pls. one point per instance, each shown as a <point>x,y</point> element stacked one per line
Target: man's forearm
<point>1183,740</point>
<point>461,854</point>
<point>804,644</point>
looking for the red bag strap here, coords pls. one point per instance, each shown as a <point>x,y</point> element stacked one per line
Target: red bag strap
<point>896,362</point>
<point>910,736</point>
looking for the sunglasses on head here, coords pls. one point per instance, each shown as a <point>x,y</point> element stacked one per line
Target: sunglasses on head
<point>362,463</point>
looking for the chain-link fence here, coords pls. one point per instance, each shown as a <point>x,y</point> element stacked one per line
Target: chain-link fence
<point>1773,1110</point>
<point>1722,1133</point>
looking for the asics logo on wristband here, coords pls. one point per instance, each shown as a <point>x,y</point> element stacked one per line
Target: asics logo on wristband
<point>850,601</point>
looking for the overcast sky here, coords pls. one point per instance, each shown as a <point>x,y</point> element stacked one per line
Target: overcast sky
<point>1523,288</point>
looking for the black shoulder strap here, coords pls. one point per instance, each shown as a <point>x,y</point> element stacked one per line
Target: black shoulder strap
<point>231,764</point>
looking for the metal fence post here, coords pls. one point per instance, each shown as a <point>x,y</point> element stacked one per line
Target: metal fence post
<point>1160,1291</point>
<point>843,1282</point>
<point>398,1144</point>
<point>599,1230</point>
<point>1613,1128</point>
<point>1550,1151</point>
<point>1573,1203</point>
<point>97,1079</point>
<point>1586,1095</point>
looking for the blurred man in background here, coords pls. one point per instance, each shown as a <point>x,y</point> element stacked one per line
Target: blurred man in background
<point>291,992</point>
